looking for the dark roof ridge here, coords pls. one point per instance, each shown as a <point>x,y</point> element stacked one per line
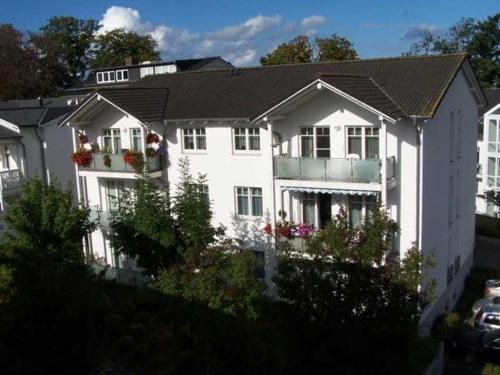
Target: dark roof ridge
<point>342,75</point>
<point>395,58</point>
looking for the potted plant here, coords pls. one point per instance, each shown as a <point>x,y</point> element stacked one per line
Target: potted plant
<point>83,139</point>
<point>268,229</point>
<point>106,159</point>
<point>152,138</point>
<point>135,159</point>
<point>151,152</point>
<point>304,230</point>
<point>82,157</point>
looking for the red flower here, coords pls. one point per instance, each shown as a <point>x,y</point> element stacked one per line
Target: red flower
<point>268,229</point>
<point>283,231</point>
<point>135,159</point>
<point>152,138</point>
<point>81,157</point>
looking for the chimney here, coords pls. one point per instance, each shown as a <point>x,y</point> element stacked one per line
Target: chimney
<point>128,61</point>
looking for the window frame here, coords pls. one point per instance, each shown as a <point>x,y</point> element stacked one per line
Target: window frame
<point>115,133</point>
<point>196,134</point>
<point>107,74</point>
<point>140,138</point>
<point>249,195</point>
<point>246,134</point>
<point>375,134</point>
<point>122,74</point>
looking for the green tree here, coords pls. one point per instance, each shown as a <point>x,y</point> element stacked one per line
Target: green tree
<point>458,37</point>
<point>63,49</point>
<point>335,48</point>
<point>17,65</point>
<point>45,224</point>
<point>296,51</point>
<point>111,48</point>
<point>143,227</point>
<point>350,285</point>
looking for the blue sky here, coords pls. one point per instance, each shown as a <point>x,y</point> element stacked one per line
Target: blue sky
<point>242,31</point>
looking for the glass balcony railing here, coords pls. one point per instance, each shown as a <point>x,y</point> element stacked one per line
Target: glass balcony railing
<point>102,218</point>
<point>115,163</point>
<point>341,170</point>
<point>10,179</point>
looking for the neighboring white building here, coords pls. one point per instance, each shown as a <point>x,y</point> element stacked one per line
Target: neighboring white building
<point>306,140</point>
<point>488,151</point>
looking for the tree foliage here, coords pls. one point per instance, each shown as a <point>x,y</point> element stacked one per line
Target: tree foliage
<point>111,48</point>
<point>300,50</point>
<point>335,48</point>
<point>143,227</point>
<point>478,38</point>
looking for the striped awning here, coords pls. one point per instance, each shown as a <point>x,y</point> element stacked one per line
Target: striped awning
<point>328,190</point>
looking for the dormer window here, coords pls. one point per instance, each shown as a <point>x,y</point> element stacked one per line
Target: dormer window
<point>106,77</point>
<point>122,75</point>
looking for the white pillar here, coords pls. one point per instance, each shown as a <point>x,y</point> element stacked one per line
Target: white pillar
<point>383,159</point>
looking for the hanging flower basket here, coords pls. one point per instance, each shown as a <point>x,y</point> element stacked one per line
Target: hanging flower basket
<point>284,231</point>
<point>135,159</point>
<point>151,152</point>
<point>83,139</point>
<point>152,138</point>
<point>82,157</point>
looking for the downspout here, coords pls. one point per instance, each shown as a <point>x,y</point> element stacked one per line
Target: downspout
<point>42,148</point>
<point>165,158</point>
<point>270,130</point>
<point>418,135</point>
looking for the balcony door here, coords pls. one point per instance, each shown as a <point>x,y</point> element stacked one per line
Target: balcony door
<point>325,209</point>
<point>111,141</point>
<point>315,142</point>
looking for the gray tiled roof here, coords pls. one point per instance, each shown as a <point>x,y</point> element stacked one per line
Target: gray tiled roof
<point>493,96</point>
<point>414,85</point>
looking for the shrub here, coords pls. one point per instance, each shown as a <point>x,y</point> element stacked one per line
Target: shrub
<point>447,325</point>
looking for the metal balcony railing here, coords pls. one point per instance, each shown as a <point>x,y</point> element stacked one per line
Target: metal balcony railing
<point>117,164</point>
<point>341,170</point>
<point>10,179</point>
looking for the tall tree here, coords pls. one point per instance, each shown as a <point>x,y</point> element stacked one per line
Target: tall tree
<point>17,65</point>
<point>63,49</point>
<point>335,48</point>
<point>458,37</point>
<point>112,47</point>
<point>296,51</point>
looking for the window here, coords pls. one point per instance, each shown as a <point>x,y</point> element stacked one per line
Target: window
<point>493,136</point>
<point>493,172</point>
<point>480,130</point>
<point>164,69</point>
<point>363,141</point>
<point>194,139</point>
<point>111,141</point>
<point>147,71</point>
<point>309,208</point>
<point>136,139</point>
<point>105,77</point>
<point>249,201</point>
<point>355,210</point>
<point>459,135</point>
<point>361,207</point>
<point>246,139</point>
<point>451,199</point>
<point>114,191</point>
<point>452,136</point>
<point>315,142</point>
<point>122,75</point>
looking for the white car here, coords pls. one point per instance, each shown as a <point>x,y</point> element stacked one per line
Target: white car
<point>492,288</point>
<point>480,303</point>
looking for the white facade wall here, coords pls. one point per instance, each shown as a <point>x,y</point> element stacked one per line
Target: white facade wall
<point>448,221</point>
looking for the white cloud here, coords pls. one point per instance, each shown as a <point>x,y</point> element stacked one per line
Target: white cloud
<point>312,21</point>
<point>241,44</point>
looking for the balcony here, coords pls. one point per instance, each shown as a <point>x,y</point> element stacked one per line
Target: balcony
<point>115,163</point>
<point>10,180</point>
<point>337,170</point>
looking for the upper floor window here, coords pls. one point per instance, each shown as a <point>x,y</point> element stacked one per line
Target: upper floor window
<point>194,139</point>
<point>136,139</point>
<point>493,172</point>
<point>111,141</point>
<point>249,201</point>
<point>163,69</point>
<point>493,136</point>
<point>363,142</point>
<point>105,77</point>
<point>246,139</point>
<point>452,136</point>
<point>147,71</point>
<point>122,75</point>
<point>114,192</point>
<point>315,142</point>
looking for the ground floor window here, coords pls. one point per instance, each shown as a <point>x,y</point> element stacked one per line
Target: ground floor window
<point>309,208</point>
<point>114,191</point>
<point>360,207</point>
<point>249,201</point>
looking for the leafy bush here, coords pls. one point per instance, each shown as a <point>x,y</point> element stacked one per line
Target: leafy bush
<point>447,325</point>
<point>490,369</point>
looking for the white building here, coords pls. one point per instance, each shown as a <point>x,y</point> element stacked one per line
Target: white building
<point>306,140</point>
<point>488,150</point>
